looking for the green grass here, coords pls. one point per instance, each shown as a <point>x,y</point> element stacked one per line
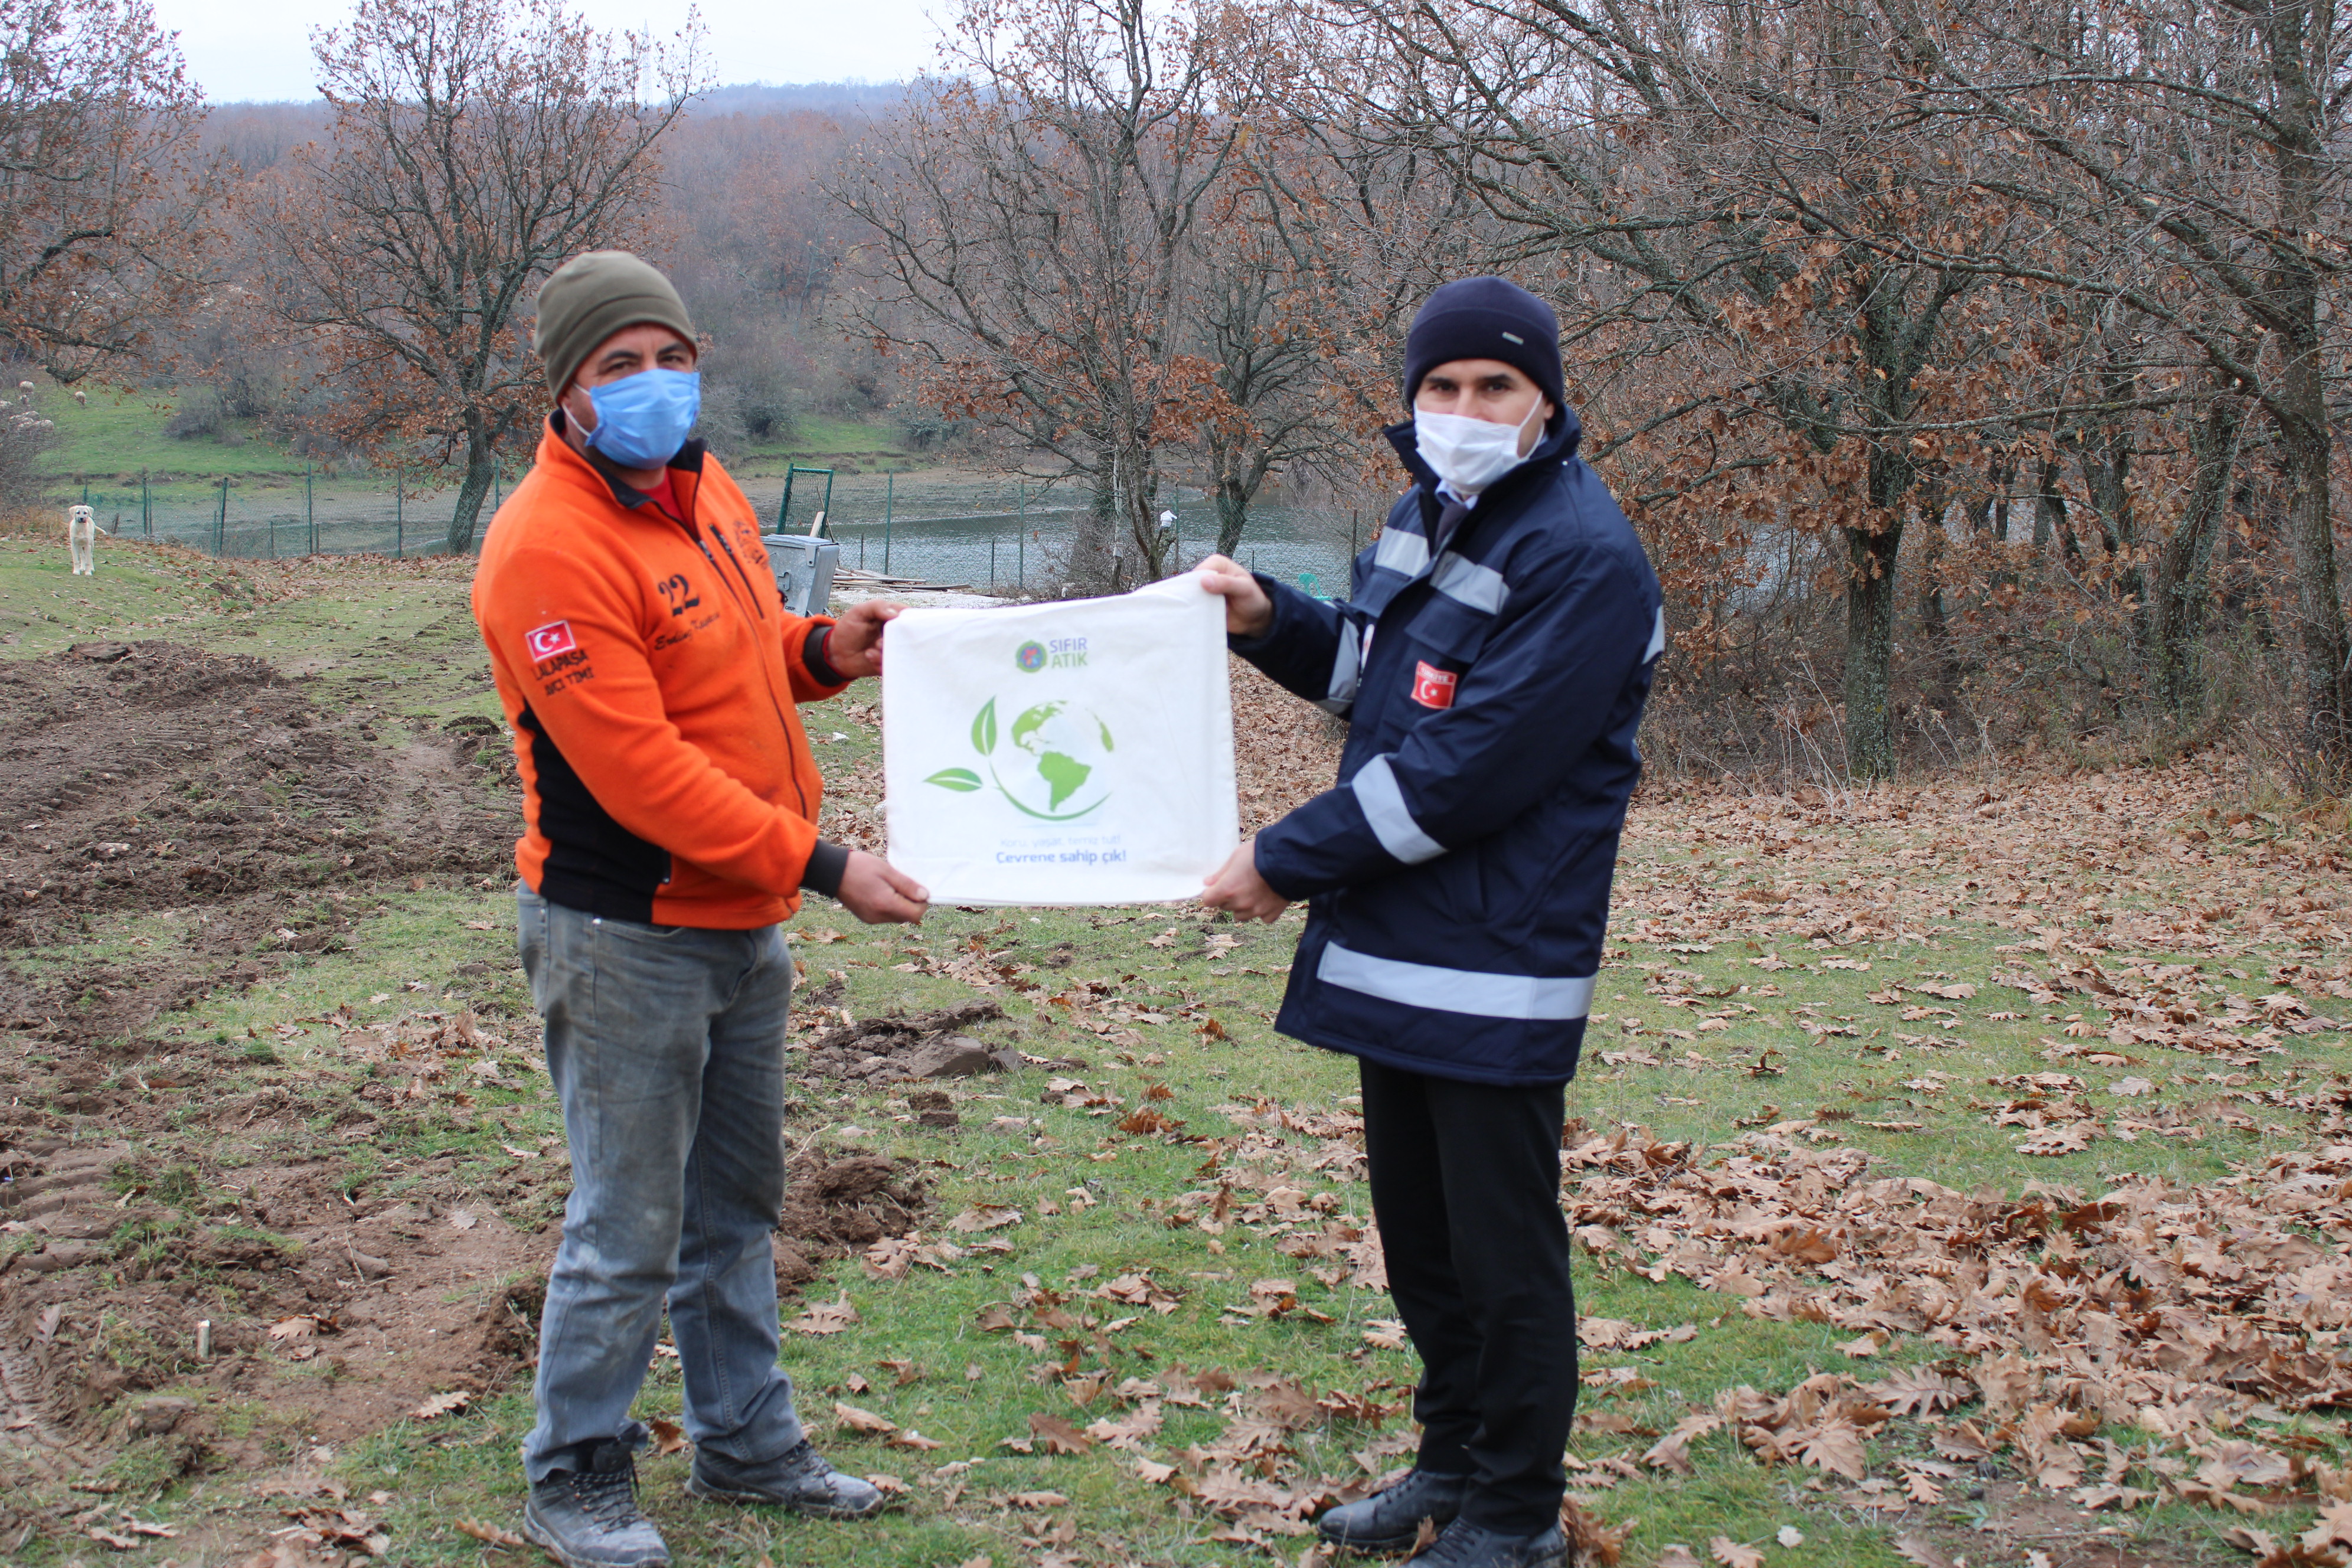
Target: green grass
<point>136,592</point>
<point>400,642</point>
<point>818,438</point>
<point>117,435</point>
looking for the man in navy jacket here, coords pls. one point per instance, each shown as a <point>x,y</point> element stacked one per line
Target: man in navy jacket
<point>1493,658</point>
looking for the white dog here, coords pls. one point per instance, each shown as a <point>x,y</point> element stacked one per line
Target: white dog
<point>81,534</point>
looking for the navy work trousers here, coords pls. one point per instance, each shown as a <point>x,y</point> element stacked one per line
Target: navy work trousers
<point>1465,1189</point>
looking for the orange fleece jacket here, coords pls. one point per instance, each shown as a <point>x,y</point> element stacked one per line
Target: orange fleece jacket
<point>649,675</point>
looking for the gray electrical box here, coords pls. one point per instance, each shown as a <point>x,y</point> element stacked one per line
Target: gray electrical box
<point>804,565</point>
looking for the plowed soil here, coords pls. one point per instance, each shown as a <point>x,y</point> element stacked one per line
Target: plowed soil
<point>155,776</point>
<point>158,779</point>
<point>149,1187</point>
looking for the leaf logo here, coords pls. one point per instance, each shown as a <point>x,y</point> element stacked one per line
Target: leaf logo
<point>1060,751</point>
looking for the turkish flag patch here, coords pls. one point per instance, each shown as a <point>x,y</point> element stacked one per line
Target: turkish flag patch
<point>1433,687</point>
<point>547,641</point>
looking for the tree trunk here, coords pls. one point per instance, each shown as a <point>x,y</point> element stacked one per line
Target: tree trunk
<point>1233,513</point>
<point>2304,121</point>
<point>1870,649</point>
<point>2183,564</point>
<point>2107,461</point>
<point>1138,495</point>
<point>1231,491</point>
<point>1932,617</point>
<point>1126,487</point>
<point>1870,556</point>
<point>2325,677</point>
<point>2049,507</point>
<point>481,469</point>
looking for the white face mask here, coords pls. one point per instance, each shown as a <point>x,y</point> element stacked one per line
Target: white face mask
<point>1469,454</point>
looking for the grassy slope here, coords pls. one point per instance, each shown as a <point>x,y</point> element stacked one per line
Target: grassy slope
<point>969,1390</point>
<point>117,436</point>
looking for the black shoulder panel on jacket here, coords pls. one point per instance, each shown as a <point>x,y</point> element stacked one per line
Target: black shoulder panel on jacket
<point>593,863</point>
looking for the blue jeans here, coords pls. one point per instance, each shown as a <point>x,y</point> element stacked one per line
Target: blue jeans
<point>666,1046</point>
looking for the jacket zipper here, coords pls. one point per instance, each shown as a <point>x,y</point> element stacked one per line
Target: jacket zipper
<point>765,678</point>
<point>745,576</point>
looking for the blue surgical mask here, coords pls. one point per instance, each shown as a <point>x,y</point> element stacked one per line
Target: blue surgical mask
<point>643,419</point>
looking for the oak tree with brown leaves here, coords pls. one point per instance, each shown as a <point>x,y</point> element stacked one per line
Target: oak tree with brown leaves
<point>476,145</point>
<point>104,200</point>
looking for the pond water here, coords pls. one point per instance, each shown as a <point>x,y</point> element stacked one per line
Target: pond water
<point>981,533</point>
<point>942,526</point>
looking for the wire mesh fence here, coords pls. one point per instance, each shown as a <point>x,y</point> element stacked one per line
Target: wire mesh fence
<point>981,531</point>
<point>278,516</point>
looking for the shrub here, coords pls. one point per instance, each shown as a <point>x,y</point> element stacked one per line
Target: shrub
<point>202,413</point>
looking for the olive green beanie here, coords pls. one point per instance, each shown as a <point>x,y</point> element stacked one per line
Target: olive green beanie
<point>595,295</point>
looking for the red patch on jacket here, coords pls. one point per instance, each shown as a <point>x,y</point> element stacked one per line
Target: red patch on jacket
<point>1433,687</point>
<point>547,641</point>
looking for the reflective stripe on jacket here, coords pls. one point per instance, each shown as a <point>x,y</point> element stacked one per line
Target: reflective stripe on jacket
<point>1458,875</point>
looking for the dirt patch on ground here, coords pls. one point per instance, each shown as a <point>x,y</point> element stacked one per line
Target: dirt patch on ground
<point>156,776</point>
<point>2004,1521</point>
<point>839,1204</point>
<point>330,1315</point>
<point>191,1279</point>
<point>890,1048</point>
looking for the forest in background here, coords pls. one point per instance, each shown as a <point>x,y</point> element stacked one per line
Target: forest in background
<point>1974,378</point>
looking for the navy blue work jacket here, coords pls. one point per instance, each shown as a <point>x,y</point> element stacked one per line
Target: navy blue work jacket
<point>1457,877</point>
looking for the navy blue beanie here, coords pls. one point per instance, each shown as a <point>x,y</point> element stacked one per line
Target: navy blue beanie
<point>1484,318</point>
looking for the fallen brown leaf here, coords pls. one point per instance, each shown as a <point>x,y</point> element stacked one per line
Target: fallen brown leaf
<point>507,1540</point>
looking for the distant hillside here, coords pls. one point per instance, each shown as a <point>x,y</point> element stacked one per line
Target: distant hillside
<point>826,97</point>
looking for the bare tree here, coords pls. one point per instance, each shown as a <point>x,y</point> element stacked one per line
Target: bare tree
<point>476,145</point>
<point>1033,222</point>
<point>1714,180</point>
<point>104,201</point>
<point>2205,139</point>
<point>1083,242</point>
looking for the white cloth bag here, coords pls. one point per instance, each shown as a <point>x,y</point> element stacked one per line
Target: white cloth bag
<point>1079,753</point>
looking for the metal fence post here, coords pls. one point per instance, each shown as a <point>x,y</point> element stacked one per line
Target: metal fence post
<point>220,522</point>
<point>1021,545</point>
<point>399,514</point>
<point>991,560</point>
<point>146,507</point>
<point>309,511</point>
<point>784,506</point>
<point>889,493</point>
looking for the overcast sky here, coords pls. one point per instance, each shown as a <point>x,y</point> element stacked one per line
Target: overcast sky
<point>243,50</point>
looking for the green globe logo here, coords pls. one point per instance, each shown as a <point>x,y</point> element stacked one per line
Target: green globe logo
<point>1050,765</point>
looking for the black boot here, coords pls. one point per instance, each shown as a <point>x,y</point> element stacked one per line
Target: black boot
<point>588,1517</point>
<point>1389,1521</point>
<point>1468,1545</point>
<point>799,1478</point>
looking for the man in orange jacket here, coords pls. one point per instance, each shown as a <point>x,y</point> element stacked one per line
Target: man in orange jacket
<point>650,672</point>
